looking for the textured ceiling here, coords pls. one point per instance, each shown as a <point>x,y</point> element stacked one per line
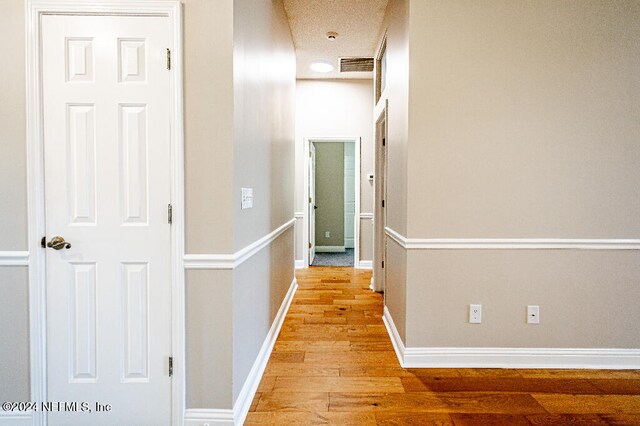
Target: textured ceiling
<point>357,23</point>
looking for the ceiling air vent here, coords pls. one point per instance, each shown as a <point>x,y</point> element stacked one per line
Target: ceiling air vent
<point>356,64</point>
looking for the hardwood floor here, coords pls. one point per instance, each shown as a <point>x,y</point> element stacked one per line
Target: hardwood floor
<point>333,363</point>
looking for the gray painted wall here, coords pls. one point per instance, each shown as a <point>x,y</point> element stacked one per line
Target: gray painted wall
<point>209,339</point>
<point>14,303</point>
<point>208,109</point>
<point>264,89</point>
<point>330,193</point>
<point>14,334</point>
<point>522,123</point>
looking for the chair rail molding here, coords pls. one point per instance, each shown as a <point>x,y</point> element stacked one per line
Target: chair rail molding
<point>512,243</point>
<point>232,261</point>
<point>14,258</point>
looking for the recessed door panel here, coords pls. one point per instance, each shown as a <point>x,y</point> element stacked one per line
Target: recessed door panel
<point>133,151</point>
<point>135,325</point>
<point>82,160</point>
<point>79,55</point>
<point>131,60</point>
<point>82,323</point>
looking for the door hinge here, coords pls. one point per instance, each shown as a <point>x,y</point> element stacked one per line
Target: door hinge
<point>169,213</point>
<point>170,366</point>
<point>309,200</point>
<point>168,58</point>
<point>309,245</point>
<point>382,203</point>
<point>384,141</point>
<point>43,242</point>
<point>383,264</point>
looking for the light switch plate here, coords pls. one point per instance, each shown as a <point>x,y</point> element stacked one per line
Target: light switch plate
<point>247,198</point>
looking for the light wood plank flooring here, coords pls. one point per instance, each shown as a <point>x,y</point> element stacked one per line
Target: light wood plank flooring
<point>333,363</point>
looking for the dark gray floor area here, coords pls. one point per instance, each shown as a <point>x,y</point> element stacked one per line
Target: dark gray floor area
<point>334,259</point>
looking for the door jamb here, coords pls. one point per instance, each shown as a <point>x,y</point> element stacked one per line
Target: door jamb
<point>379,239</point>
<point>34,9</point>
<point>356,227</point>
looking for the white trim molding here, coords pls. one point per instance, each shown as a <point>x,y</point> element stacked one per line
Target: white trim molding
<point>299,264</point>
<point>330,249</point>
<point>366,264</point>
<point>396,340</point>
<point>298,215</point>
<point>366,215</point>
<point>232,261</point>
<point>587,358</point>
<point>455,357</point>
<point>198,416</point>
<point>14,258</point>
<point>237,415</point>
<point>512,243</point>
<point>248,391</point>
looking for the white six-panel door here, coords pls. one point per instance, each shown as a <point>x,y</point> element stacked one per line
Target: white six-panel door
<point>107,189</point>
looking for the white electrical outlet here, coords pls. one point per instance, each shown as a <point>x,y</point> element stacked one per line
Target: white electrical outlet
<point>475,314</point>
<point>327,234</point>
<point>533,314</point>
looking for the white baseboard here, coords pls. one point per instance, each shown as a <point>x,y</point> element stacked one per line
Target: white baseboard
<point>396,341</point>
<point>299,264</point>
<point>200,416</point>
<point>330,249</point>
<point>444,357</point>
<point>366,264</point>
<point>586,358</point>
<point>248,391</point>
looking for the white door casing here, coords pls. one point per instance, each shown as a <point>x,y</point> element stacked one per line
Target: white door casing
<point>380,208</point>
<point>349,194</point>
<point>107,173</point>
<point>312,202</point>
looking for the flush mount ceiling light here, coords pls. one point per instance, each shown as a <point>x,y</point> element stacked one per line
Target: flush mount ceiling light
<point>321,66</point>
<point>331,35</point>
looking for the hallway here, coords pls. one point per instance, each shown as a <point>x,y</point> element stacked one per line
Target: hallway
<point>333,363</point>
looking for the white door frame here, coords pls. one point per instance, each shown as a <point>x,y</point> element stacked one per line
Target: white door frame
<point>172,10</point>
<point>378,279</point>
<point>356,219</point>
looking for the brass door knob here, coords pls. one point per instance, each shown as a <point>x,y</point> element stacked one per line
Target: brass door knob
<point>58,243</point>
